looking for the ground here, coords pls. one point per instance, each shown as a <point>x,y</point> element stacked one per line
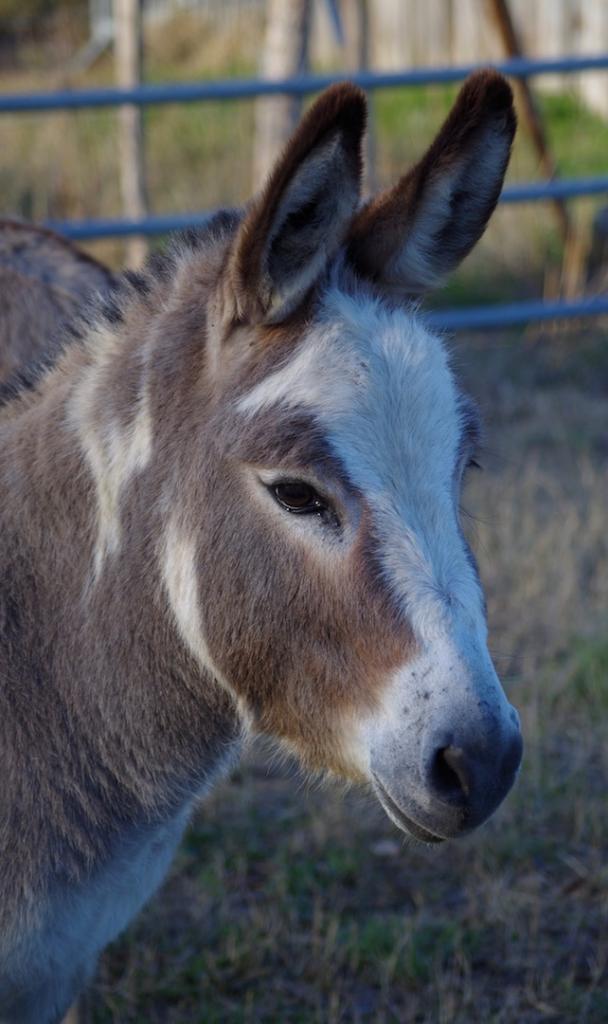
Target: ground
<point>300,903</point>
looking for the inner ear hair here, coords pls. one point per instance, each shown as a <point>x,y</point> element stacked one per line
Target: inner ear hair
<point>297,223</point>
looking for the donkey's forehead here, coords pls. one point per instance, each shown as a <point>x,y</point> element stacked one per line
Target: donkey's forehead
<point>379,386</point>
<point>378,382</point>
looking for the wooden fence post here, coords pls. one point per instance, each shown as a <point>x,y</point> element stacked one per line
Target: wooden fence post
<point>574,243</point>
<point>358,46</point>
<point>285,53</point>
<point>529,108</point>
<point>128,50</point>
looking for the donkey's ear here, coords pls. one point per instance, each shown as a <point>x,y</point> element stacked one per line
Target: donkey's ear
<point>300,218</point>
<point>412,235</point>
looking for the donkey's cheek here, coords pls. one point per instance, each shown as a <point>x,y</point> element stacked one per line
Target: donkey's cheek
<point>307,669</point>
<point>305,636</point>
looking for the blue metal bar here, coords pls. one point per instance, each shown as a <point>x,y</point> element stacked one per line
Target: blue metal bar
<point>469,318</point>
<point>488,317</point>
<point>567,188</point>
<point>190,92</point>
<point>161,224</point>
<point>114,227</point>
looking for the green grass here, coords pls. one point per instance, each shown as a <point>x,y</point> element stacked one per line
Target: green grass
<point>585,684</point>
<point>578,137</point>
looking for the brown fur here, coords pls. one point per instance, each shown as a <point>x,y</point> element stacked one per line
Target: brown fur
<point>44,280</point>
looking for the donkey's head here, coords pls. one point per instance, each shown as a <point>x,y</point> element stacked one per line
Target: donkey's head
<point>334,595</point>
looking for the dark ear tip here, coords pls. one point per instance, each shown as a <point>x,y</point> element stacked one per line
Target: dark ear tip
<point>342,103</point>
<point>489,91</point>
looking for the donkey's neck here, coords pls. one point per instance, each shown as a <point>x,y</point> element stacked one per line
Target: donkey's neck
<point>95,674</point>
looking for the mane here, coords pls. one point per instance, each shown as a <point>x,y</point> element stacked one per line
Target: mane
<point>110,307</point>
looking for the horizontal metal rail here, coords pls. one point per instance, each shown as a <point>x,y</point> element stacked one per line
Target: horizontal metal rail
<point>474,318</point>
<point>469,318</point>
<point>456,319</point>
<point>117,227</point>
<point>558,188</point>
<point>160,224</point>
<point>300,85</point>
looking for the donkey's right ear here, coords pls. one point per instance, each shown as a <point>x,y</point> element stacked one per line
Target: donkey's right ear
<point>297,223</point>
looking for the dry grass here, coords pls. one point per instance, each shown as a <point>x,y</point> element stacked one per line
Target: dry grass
<point>298,905</point>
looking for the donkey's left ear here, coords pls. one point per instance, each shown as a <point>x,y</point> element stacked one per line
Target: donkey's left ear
<point>294,227</point>
<point>410,237</point>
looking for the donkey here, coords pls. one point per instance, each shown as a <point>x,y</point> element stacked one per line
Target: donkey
<point>43,281</point>
<point>232,507</point>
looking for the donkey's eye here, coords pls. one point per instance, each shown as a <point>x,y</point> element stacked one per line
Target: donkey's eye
<point>297,496</point>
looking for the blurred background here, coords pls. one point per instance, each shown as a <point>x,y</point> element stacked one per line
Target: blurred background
<point>298,902</point>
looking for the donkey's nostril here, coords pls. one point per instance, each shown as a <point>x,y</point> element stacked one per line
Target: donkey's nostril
<point>450,774</point>
<point>467,775</point>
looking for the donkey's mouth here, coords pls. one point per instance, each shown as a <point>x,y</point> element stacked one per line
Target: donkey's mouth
<point>400,819</point>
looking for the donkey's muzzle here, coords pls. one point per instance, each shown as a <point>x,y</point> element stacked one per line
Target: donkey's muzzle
<point>461,779</point>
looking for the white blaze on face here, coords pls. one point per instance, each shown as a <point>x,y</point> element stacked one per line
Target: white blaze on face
<point>179,564</point>
<point>381,385</point>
